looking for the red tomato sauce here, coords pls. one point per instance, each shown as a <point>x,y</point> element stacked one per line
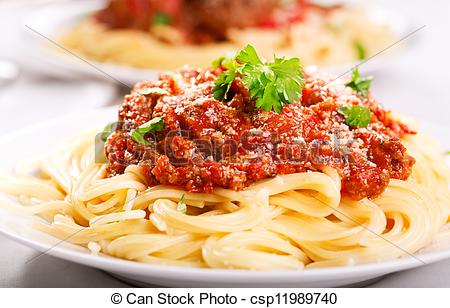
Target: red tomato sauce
<point>204,21</point>
<point>207,143</point>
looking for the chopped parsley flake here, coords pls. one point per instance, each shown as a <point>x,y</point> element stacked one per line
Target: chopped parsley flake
<point>161,19</point>
<point>108,130</point>
<point>182,205</point>
<point>360,84</point>
<point>154,125</point>
<point>360,50</point>
<point>356,116</point>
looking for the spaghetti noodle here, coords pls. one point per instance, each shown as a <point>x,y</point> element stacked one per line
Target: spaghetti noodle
<point>288,222</point>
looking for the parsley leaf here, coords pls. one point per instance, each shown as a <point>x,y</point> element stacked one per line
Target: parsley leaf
<point>182,205</point>
<point>359,84</point>
<point>108,130</point>
<point>269,99</point>
<point>161,19</point>
<point>154,125</point>
<point>218,62</point>
<point>356,116</point>
<point>272,84</point>
<point>248,55</point>
<point>289,79</point>
<point>360,50</point>
<point>223,60</point>
<point>223,83</point>
<point>101,139</point>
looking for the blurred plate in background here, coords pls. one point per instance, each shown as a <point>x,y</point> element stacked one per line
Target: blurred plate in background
<point>46,22</point>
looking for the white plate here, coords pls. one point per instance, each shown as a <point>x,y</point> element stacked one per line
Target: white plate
<point>50,20</point>
<point>18,228</point>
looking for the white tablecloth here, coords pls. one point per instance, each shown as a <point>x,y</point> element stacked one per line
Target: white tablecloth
<point>416,83</point>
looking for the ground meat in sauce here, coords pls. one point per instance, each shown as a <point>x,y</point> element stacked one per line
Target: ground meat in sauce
<point>207,143</point>
<point>202,21</point>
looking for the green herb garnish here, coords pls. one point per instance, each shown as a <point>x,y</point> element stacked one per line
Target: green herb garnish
<point>447,153</point>
<point>224,81</point>
<point>223,60</point>
<point>108,130</point>
<point>272,84</point>
<point>182,205</point>
<point>356,116</point>
<point>218,62</point>
<point>161,19</point>
<point>154,125</point>
<point>360,50</point>
<point>359,84</point>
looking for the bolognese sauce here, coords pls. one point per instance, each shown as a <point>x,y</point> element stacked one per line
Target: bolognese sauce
<point>202,21</point>
<point>206,143</point>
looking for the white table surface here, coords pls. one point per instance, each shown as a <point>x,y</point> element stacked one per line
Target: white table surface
<point>414,84</point>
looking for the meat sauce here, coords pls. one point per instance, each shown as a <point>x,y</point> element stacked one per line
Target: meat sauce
<point>207,143</point>
<point>202,21</point>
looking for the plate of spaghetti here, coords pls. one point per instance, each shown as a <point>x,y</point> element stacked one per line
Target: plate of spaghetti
<point>251,172</point>
<point>131,39</point>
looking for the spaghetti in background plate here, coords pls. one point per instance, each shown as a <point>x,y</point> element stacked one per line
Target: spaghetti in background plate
<point>334,42</point>
<point>202,182</point>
